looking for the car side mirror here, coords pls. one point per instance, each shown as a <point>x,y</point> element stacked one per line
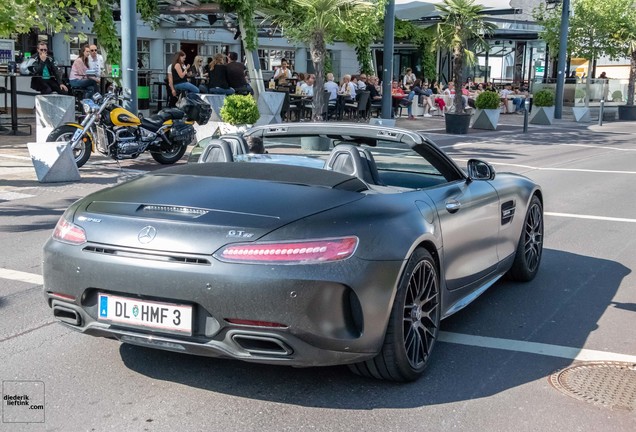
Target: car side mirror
<point>480,170</point>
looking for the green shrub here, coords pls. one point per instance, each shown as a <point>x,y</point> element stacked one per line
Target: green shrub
<point>238,109</point>
<point>617,96</point>
<point>543,98</point>
<point>487,100</point>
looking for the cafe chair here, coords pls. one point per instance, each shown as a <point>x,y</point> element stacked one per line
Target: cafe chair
<point>358,109</point>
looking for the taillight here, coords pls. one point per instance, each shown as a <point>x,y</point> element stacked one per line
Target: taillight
<point>68,232</point>
<point>294,252</point>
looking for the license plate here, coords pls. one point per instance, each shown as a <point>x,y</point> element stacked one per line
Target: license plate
<point>157,315</point>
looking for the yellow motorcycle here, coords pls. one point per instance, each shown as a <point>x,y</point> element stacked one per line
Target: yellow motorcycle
<point>113,131</point>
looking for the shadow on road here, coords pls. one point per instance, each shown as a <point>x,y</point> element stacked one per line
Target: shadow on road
<point>561,306</point>
<point>42,217</point>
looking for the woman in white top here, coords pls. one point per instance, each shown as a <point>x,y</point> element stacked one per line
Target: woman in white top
<point>409,79</point>
<point>348,89</point>
<point>283,73</point>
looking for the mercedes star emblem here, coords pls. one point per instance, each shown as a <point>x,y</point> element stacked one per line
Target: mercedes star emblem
<point>147,234</point>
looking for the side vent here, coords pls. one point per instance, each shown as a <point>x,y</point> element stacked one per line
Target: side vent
<point>507,212</point>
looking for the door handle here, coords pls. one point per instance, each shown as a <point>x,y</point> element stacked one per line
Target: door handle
<point>453,206</point>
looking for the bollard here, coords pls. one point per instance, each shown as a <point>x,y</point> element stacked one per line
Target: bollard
<point>525,115</point>
<point>600,112</point>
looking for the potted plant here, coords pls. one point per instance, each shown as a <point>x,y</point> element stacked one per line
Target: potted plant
<point>543,107</point>
<point>488,111</point>
<point>462,21</point>
<point>617,96</point>
<point>238,113</point>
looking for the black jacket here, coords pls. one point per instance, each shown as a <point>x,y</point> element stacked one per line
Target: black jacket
<point>217,77</point>
<point>38,67</point>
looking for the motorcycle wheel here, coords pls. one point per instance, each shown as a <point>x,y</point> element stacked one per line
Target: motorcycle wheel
<point>64,133</point>
<point>168,157</point>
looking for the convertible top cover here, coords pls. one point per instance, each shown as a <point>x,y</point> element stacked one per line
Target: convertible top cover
<point>270,172</point>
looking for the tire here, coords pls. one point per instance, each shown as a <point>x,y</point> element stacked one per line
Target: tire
<point>413,325</point>
<point>64,133</point>
<point>171,156</point>
<point>530,247</point>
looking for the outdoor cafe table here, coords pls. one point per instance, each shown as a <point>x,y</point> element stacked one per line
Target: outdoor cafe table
<point>10,85</point>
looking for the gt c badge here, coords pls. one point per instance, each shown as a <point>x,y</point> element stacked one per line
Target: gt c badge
<point>147,234</point>
<point>239,234</point>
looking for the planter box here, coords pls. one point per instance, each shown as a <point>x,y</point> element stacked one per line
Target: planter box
<point>627,112</point>
<point>581,114</point>
<point>457,123</point>
<point>542,115</point>
<point>315,143</point>
<point>486,119</point>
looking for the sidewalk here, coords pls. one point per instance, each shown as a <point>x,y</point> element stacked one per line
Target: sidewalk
<point>17,172</point>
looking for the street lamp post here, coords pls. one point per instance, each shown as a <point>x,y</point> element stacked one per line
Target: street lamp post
<point>563,45</point>
<point>387,61</point>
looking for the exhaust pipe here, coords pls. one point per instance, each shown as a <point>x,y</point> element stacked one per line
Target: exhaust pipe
<point>67,315</point>
<point>262,345</point>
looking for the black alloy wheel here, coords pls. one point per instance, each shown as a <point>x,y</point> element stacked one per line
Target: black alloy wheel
<point>530,247</point>
<point>413,326</point>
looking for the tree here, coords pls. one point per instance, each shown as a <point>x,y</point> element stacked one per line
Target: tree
<point>590,31</point>
<point>462,21</point>
<point>57,16</point>
<point>421,37</point>
<point>624,37</point>
<point>317,23</point>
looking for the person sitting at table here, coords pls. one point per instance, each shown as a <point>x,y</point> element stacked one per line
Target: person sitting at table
<point>362,82</point>
<point>426,99</point>
<point>348,89</point>
<point>400,99</point>
<point>437,96</point>
<point>95,60</point>
<point>307,88</point>
<point>236,75</point>
<point>47,77</point>
<point>374,93</point>
<point>503,94</point>
<point>519,102</point>
<point>332,88</point>
<point>282,74</point>
<point>78,77</point>
<point>217,77</point>
<point>180,74</point>
<point>409,79</point>
<point>199,75</point>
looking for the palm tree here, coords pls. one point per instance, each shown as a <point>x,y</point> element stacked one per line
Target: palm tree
<point>462,21</point>
<point>317,23</point>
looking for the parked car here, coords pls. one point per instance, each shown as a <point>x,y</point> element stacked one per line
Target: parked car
<point>350,253</point>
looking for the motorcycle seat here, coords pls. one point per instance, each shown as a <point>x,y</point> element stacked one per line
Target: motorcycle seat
<point>170,113</point>
<point>152,123</point>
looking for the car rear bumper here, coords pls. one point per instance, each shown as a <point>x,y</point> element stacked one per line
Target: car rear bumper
<point>332,313</point>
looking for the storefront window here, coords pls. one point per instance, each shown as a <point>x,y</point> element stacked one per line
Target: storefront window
<point>270,58</point>
<point>75,44</point>
<point>143,53</point>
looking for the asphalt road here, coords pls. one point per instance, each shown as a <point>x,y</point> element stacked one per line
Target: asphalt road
<point>489,373</point>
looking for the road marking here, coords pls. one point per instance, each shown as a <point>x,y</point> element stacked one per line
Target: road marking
<point>8,196</point>
<point>21,276</point>
<point>577,216</point>
<point>556,169</point>
<point>600,147</point>
<point>534,348</point>
<point>456,338</point>
<point>14,157</point>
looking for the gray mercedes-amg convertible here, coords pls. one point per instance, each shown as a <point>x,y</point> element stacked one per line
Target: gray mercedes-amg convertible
<point>342,244</point>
